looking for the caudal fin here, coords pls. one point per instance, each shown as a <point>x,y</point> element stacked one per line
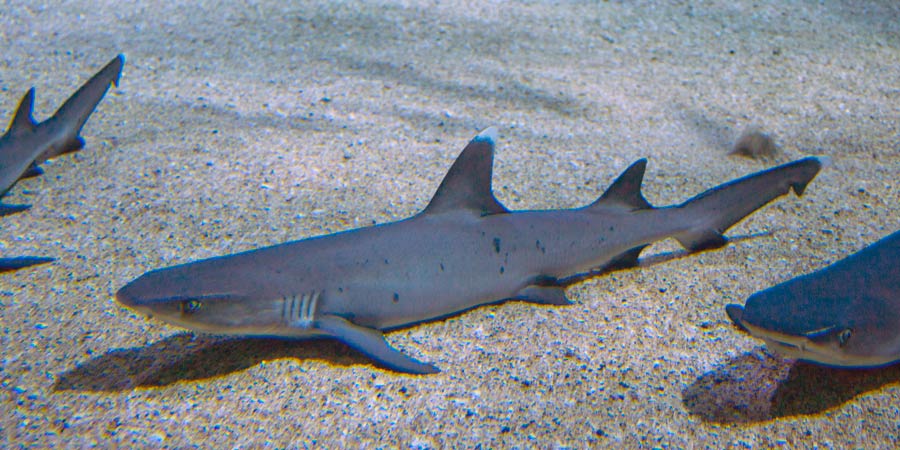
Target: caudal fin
<point>717,209</point>
<point>79,107</point>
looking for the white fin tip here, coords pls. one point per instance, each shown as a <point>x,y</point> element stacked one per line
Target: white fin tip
<point>489,134</point>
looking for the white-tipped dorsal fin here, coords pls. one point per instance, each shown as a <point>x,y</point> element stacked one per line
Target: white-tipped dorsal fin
<point>626,190</point>
<point>23,122</point>
<point>467,185</point>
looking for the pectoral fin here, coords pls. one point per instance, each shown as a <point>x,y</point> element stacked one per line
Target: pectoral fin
<point>626,260</point>
<point>371,342</point>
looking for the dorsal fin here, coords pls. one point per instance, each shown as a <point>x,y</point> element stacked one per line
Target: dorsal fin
<point>23,121</point>
<point>467,185</point>
<point>626,190</point>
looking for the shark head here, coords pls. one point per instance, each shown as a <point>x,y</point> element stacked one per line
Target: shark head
<point>199,297</point>
<point>798,321</point>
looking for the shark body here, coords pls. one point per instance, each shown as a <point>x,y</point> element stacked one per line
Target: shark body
<point>28,143</point>
<point>845,315</point>
<point>463,250</point>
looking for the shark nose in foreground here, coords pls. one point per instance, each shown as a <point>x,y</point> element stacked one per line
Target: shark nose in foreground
<point>128,297</point>
<point>735,313</point>
<point>125,296</point>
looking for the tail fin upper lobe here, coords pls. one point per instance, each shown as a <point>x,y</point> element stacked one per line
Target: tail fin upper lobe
<point>723,206</point>
<point>75,112</point>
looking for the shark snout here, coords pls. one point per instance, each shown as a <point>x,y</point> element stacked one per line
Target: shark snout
<point>735,313</point>
<point>134,297</point>
<point>127,296</point>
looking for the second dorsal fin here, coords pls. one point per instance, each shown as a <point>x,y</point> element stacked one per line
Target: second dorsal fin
<point>23,122</point>
<point>626,190</point>
<point>467,185</point>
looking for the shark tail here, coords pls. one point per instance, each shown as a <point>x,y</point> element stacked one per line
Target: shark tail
<point>79,107</point>
<point>719,208</point>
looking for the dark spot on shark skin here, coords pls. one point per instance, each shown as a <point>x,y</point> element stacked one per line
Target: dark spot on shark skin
<point>540,247</point>
<point>502,269</point>
<point>442,267</point>
<point>396,297</point>
<point>340,289</point>
<point>497,245</point>
<point>386,262</point>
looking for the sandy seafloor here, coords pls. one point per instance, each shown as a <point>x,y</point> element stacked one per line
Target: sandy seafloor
<point>241,125</point>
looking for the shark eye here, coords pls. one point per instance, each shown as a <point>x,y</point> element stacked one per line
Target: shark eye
<point>191,306</point>
<point>844,336</point>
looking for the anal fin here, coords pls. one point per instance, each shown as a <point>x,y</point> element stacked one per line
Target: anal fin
<point>32,171</point>
<point>625,260</point>
<point>74,145</point>
<point>702,240</point>
<point>371,342</point>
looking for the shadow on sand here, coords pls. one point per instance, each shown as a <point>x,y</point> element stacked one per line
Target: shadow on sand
<point>184,357</point>
<point>755,388</point>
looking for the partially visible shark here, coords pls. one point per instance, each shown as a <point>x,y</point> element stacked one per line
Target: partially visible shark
<point>28,143</point>
<point>8,264</point>
<point>845,315</point>
<point>463,250</point>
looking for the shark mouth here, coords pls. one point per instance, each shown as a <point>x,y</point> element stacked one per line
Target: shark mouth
<point>788,345</point>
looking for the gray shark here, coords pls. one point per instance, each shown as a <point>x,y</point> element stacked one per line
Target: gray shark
<point>845,315</point>
<point>463,250</point>
<point>27,143</point>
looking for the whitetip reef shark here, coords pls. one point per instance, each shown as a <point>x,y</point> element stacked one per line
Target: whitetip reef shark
<point>463,250</point>
<point>28,143</point>
<point>845,315</point>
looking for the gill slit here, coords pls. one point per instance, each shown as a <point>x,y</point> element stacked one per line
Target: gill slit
<point>305,306</point>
